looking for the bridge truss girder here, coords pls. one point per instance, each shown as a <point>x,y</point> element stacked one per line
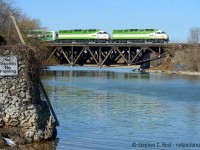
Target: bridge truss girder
<point>100,55</point>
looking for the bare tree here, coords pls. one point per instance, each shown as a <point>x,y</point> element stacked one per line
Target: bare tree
<point>7,29</point>
<point>194,35</point>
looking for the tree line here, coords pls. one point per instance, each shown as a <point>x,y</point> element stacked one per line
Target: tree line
<point>8,34</point>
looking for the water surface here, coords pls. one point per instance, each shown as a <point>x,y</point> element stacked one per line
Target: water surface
<point>117,109</point>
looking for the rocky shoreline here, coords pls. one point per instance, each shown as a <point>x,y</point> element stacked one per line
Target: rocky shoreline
<point>173,72</point>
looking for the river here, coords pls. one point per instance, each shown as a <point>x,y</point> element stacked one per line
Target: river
<point>118,109</point>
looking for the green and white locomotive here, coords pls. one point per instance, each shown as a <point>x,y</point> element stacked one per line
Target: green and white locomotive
<point>80,35</point>
<point>100,36</point>
<point>139,36</point>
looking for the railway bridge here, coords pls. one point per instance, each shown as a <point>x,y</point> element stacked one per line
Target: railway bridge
<point>107,54</point>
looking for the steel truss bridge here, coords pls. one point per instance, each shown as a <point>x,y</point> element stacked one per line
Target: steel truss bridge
<point>107,54</point>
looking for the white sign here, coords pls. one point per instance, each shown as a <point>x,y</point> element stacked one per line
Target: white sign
<point>8,66</point>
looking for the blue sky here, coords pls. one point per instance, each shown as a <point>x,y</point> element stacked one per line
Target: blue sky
<point>175,17</point>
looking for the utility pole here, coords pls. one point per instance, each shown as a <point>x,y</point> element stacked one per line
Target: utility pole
<point>18,31</point>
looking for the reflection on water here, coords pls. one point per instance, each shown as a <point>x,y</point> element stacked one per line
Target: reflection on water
<point>113,110</point>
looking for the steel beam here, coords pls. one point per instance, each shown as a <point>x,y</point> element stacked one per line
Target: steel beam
<point>121,55</point>
<point>65,56</point>
<point>78,56</point>
<point>136,55</point>
<point>106,57</point>
<point>51,54</point>
<point>92,56</point>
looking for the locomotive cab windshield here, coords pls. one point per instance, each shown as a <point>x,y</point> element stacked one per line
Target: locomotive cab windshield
<point>160,32</point>
<point>102,32</point>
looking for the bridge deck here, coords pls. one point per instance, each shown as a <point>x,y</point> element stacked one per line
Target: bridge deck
<point>122,44</point>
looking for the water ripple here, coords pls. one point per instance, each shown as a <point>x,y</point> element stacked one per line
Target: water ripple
<point>112,110</point>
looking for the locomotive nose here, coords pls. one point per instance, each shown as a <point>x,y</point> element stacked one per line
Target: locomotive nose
<point>107,36</point>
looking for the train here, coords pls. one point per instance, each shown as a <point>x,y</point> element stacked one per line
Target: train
<point>101,36</point>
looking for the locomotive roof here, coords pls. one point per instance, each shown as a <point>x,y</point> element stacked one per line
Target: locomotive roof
<point>80,30</point>
<point>135,30</point>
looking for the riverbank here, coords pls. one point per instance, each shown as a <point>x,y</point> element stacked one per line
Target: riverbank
<point>173,72</point>
<point>181,60</point>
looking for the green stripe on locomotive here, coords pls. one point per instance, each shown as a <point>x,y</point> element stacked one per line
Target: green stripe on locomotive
<point>78,34</point>
<point>133,34</point>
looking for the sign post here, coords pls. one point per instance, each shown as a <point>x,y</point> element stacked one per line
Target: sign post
<point>8,66</point>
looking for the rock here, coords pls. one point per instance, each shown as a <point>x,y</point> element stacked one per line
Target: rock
<point>49,130</point>
<point>15,99</point>
<point>31,121</point>
<point>1,122</point>
<point>29,134</point>
<point>6,118</point>
<point>31,107</point>
<point>22,94</point>
<point>13,122</point>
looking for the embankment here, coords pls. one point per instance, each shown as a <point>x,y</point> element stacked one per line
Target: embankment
<point>183,60</point>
